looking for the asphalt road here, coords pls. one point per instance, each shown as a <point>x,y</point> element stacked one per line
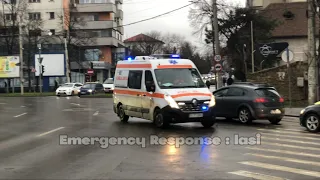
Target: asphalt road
<point>30,146</point>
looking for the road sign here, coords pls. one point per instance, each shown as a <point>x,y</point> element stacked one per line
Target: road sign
<point>90,72</point>
<point>218,67</point>
<point>217,58</point>
<point>284,56</point>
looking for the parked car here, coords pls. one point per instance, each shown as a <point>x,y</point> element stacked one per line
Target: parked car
<point>248,102</point>
<point>310,118</point>
<point>108,85</point>
<point>69,89</point>
<point>91,88</point>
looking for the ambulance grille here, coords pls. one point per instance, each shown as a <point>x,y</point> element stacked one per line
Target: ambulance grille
<point>190,107</point>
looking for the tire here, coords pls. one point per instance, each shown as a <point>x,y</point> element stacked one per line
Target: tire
<point>275,120</point>
<point>159,119</point>
<point>244,115</point>
<point>312,123</point>
<point>208,122</point>
<point>122,115</point>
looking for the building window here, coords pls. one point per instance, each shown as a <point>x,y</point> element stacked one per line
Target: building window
<point>10,17</point>
<point>52,15</point>
<point>53,31</point>
<point>34,16</point>
<point>92,54</point>
<point>34,1</point>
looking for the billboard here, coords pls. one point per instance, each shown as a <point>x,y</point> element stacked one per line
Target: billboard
<point>8,67</point>
<point>54,64</point>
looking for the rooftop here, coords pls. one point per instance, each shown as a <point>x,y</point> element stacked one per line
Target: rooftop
<point>142,38</point>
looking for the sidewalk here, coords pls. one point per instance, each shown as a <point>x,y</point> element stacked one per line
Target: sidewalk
<point>294,112</point>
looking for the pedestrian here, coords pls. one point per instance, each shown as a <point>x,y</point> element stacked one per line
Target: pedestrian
<point>55,84</point>
<point>208,84</point>
<point>224,79</point>
<point>230,81</point>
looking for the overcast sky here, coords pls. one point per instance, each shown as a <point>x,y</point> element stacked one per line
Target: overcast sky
<point>176,22</point>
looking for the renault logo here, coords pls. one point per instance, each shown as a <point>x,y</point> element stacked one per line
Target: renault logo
<point>194,102</point>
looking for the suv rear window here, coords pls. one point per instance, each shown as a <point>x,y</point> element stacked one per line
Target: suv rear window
<point>267,92</point>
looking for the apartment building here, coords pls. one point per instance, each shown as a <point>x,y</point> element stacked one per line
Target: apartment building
<point>103,20</point>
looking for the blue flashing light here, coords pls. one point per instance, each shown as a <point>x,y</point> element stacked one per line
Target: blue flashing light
<point>204,108</point>
<point>129,59</point>
<point>175,56</point>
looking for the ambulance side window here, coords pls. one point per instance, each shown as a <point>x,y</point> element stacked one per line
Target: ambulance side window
<point>134,80</point>
<point>148,77</point>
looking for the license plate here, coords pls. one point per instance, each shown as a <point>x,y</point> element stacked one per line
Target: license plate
<point>198,115</point>
<point>277,111</point>
<point>83,92</point>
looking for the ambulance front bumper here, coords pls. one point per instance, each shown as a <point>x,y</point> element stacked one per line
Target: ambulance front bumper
<point>174,115</point>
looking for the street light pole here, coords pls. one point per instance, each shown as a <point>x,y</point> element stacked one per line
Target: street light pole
<point>21,56</point>
<point>67,56</point>
<point>40,68</point>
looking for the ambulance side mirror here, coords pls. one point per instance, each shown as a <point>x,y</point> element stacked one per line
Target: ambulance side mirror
<point>150,86</point>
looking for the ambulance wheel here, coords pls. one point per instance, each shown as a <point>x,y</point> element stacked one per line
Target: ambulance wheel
<point>122,115</point>
<point>159,119</point>
<point>208,122</point>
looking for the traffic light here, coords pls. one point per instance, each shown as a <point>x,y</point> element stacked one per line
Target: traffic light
<point>42,67</point>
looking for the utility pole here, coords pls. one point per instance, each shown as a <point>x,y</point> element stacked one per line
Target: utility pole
<point>252,47</point>
<point>21,55</point>
<point>67,55</point>
<point>216,36</point>
<point>40,68</point>
<point>311,61</point>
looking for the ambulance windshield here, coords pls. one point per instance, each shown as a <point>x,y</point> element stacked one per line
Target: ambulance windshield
<point>178,78</point>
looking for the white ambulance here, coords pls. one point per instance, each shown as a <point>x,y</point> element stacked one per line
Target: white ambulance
<point>162,90</point>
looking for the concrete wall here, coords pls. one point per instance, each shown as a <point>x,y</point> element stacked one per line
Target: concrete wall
<point>278,77</point>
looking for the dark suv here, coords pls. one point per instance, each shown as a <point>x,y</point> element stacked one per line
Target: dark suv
<point>91,88</point>
<point>248,101</point>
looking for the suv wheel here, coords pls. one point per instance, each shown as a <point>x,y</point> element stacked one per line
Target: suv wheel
<point>312,123</point>
<point>244,115</point>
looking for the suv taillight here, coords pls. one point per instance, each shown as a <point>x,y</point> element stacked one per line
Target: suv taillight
<point>260,100</point>
<point>281,100</point>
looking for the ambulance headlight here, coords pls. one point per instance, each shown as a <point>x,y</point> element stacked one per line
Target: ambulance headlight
<point>172,103</point>
<point>212,101</point>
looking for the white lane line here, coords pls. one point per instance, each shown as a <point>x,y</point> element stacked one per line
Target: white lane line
<point>289,146</point>
<point>304,133</point>
<point>296,130</point>
<point>20,115</point>
<point>54,130</point>
<point>285,159</point>
<point>286,152</point>
<point>291,136</point>
<point>281,168</point>
<point>288,140</point>
<point>3,103</point>
<point>22,106</point>
<point>96,113</point>
<point>258,176</point>
<point>75,104</point>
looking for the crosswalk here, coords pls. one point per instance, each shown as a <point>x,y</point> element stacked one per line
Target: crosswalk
<point>283,154</point>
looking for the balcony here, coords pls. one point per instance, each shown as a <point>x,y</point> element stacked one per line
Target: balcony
<point>95,7</point>
<point>120,29</point>
<point>119,14</point>
<point>105,41</point>
<point>97,25</point>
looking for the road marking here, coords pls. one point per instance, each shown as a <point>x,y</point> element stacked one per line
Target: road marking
<point>285,159</point>
<point>291,136</point>
<point>297,130</point>
<point>3,103</point>
<point>68,97</point>
<point>289,132</point>
<point>20,115</point>
<point>289,140</point>
<point>256,175</point>
<point>54,130</point>
<point>96,113</point>
<point>286,152</point>
<point>75,104</point>
<point>289,146</point>
<point>282,168</point>
<point>22,106</point>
